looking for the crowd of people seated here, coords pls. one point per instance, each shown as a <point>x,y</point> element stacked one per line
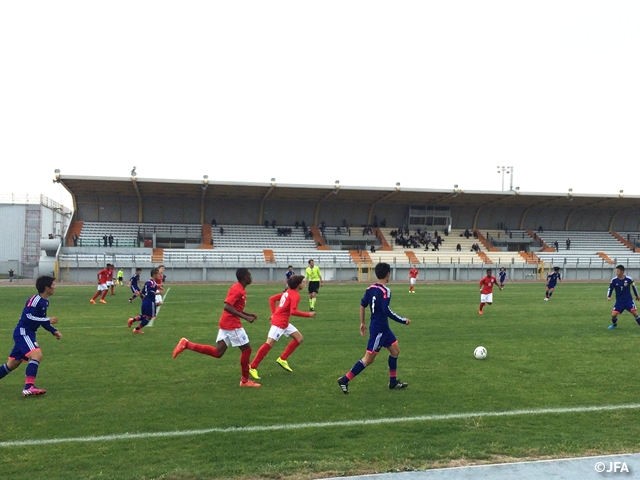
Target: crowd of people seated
<point>418,239</point>
<point>284,232</point>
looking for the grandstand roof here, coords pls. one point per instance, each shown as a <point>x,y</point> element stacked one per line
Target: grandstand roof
<point>81,185</point>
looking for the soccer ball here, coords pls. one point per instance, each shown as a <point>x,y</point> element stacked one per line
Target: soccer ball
<point>480,353</point>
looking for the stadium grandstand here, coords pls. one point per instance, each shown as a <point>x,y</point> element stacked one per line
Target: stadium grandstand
<point>204,230</point>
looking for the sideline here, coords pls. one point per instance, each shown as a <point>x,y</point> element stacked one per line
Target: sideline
<point>298,426</point>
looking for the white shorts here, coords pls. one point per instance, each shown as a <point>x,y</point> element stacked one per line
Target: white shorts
<point>486,298</point>
<point>413,281</point>
<point>276,332</point>
<point>158,299</point>
<point>235,338</point>
<point>102,287</point>
<point>110,283</point>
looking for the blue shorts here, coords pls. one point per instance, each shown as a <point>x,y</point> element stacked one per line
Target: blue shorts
<point>622,306</point>
<point>24,344</point>
<point>378,340</point>
<point>551,285</point>
<point>149,309</point>
<point>135,289</point>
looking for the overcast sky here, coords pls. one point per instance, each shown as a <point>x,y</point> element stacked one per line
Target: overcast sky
<point>425,93</point>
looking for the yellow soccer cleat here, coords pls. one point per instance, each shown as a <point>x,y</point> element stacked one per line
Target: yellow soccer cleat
<point>283,364</point>
<point>254,373</point>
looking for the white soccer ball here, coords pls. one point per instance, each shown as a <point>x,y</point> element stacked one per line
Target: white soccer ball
<point>480,353</point>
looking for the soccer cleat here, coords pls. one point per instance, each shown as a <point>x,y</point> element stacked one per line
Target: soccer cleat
<point>546,299</point>
<point>249,383</point>
<point>480,312</point>
<point>130,322</point>
<point>182,344</point>
<point>344,387</point>
<point>102,301</point>
<point>284,364</point>
<point>254,373</point>
<point>135,330</point>
<point>612,326</point>
<point>312,309</point>
<point>129,300</point>
<point>27,392</point>
<point>413,291</point>
<point>393,386</point>
<point>92,301</point>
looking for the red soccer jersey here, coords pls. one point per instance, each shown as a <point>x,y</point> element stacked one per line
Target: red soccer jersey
<point>288,306</point>
<point>110,275</point>
<point>487,284</point>
<point>413,273</point>
<point>237,298</point>
<point>103,276</point>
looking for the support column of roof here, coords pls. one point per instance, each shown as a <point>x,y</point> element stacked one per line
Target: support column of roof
<point>135,187</point>
<point>370,217</point>
<point>264,199</point>
<point>205,184</point>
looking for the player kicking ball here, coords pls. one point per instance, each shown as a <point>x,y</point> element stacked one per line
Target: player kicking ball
<point>287,306</point>
<point>377,297</point>
<point>622,286</point>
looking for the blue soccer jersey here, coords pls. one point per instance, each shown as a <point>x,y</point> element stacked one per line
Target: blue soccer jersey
<point>622,287</point>
<point>378,297</point>
<point>552,279</point>
<point>134,283</point>
<point>33,317</point>
<point>149,298</point>
<point>503,276</point>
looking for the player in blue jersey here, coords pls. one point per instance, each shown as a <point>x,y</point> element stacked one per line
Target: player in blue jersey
<point>148,310</point>
<point>502,276</point>
<point>622,286</point>
<point>377,297</point>
<point>552,281</point>
<point>133,284</point>
<point>26,348</point>
<point>289,273</point>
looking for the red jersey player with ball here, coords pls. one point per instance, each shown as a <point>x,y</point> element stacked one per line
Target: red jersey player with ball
<point>413,278</point>
<point>486,290</point>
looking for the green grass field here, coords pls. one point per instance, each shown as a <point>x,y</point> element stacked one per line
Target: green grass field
<point>102,380</point>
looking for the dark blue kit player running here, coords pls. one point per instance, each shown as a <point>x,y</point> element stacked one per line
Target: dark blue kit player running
<point>26,348</point>
<point>622,286</point>
<point>133,284</point>
<point>148,310</point>
<point>377,297</point>
<point>502,276</point>
<point>552,281</point>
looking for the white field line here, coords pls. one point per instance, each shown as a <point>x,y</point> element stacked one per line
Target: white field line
<point>299,426</point>
<point>150,324</point>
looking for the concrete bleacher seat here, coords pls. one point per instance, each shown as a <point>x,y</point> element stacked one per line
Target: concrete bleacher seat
<point>103,259</point>
<point>257,236</point>
<point>221,255</point>
<point>126,234</point>
<point>584,241</point>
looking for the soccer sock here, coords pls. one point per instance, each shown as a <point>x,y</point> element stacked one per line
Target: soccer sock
<point>244,364</point>
<point>4,370</point>
<point>481,306</point>
<point>313,302</point>
<point>96,295</point>
<point>262,352</point>
<point>355,370</point>
<point>393,365</point>
<point>614,320</point>
<point>293,344</point>
<point>411,288</point>
<point>204,349</point>
<point>32,371</point>
<point>104,294</point>
<point>143,323</point>
<point>549,294</point>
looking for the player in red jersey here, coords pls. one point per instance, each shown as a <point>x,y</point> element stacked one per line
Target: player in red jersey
<point>486,290</point>
<point>231,331</point>
<point>413,278</point>
<point>103,278</point>
<point>287,306</point>
<point>159,283</point>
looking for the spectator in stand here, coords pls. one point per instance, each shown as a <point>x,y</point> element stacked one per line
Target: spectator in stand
<point>475,234</point>
<point>467,234</point>
<point>297,224</point>
<point>110,240</point>
<point>104,239</point>
<point>568,244</point>
<point>540,229</point>
<point>458,248</point>
<point>11,272</point>
<point>373,249</point>
<point>214,223</point>
<point>75,240</point>
<point>266,224</point>
<point>273,223</point>
<point>221,231</point>
<point>555,244</point>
